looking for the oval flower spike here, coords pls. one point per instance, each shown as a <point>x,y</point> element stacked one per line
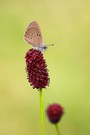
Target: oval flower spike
<point>36,69</point>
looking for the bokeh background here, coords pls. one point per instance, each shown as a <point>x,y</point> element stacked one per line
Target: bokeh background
<point>66,23</point>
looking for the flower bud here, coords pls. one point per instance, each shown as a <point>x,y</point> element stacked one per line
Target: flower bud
<point>54,113</point>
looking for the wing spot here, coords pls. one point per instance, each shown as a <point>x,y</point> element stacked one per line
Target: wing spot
<point>38,34</point>
<point>31,36</point>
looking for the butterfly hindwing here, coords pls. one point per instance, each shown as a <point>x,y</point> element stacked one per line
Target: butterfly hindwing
<point>33,35</point>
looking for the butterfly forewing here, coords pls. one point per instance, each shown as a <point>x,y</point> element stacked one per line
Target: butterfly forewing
<point>33,35</point>
<point>33,24</point>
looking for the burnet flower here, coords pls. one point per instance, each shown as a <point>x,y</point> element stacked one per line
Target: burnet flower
<point>37,75</point>
<point>36,68</point>
<point>54,113</point>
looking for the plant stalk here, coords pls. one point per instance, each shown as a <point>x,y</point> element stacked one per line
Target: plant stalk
<point>57,129</point>
<point>42,111</point>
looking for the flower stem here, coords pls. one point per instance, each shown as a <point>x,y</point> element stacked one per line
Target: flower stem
<point>58,132</point>
<point>42,112</point>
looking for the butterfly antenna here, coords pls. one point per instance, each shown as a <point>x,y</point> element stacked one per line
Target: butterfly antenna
<point>50,45</point>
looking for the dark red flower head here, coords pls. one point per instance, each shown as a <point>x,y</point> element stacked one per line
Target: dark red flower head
<point>54,113</point>
<point>36,69</point>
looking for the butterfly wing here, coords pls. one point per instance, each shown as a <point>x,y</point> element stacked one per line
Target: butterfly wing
<point>33,35</point>
<point>33,24</point>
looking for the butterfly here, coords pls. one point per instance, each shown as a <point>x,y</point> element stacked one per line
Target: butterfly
<point>34,36</point>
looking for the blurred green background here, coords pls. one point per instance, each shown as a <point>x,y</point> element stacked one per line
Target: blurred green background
<point>66,23</point>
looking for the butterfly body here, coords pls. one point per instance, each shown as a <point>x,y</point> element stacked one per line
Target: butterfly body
<point>42,48</point>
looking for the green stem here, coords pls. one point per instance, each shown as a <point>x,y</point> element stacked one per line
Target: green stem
<point>58,132</point>
<point>42,111</point>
